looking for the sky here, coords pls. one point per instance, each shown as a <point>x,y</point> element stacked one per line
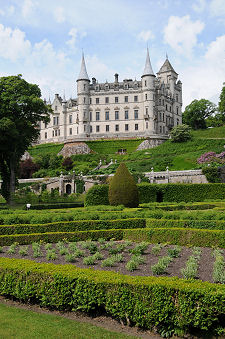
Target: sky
<point>43,40</point>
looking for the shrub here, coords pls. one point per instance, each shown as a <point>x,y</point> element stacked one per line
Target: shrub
<point>131,265</point>
<point>67,163</point>
<point>70,257</point>
<point>219,267</point>
<point>51,254</point>
<point>123,189</point>
<point>90,260</point>
<point>97,195</point>
<point>181,133</point>
<point>23,251</point>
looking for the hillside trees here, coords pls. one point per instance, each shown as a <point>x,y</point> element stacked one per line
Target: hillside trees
<point>197,112</point>
<point>222,100</point>
<point>180,133</point>
<point>21,110</point>
<point>123,189</point>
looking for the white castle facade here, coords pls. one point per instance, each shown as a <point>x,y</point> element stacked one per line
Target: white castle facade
<point>147,108</point>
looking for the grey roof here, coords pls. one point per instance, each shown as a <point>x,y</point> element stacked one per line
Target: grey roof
<point>83,71</point>
<point>148,67</point>
<point>166,67</point>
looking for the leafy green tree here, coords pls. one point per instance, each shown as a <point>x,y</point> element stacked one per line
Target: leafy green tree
<point>21,110</point>
<point>123,189</point>
<point>196,113</point>
<point>222,100</point>
<point>180,133</point>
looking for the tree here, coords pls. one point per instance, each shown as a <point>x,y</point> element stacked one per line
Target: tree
<point>196,113</point>
<point>222,100</point>
<point>123,189</point>
<point>27,168</point>
<point>21,110</point>
<point>181,133</point>
<point>67,163</point>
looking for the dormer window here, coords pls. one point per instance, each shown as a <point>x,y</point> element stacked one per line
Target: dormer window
<point>56,108</point>
<point>125,86</point>
<point>106,87</point>
<point>97,87</point>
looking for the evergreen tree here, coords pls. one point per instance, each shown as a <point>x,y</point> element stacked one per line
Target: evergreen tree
<point>123,189</point>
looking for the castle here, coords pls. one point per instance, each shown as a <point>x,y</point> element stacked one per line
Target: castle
<point>147,108</point>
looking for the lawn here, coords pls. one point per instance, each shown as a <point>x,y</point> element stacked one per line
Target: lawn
<point>23,324</point>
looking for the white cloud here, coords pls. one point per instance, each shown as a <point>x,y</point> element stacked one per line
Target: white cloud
<point>11,10</point>
<point>72,41</point>
<point>146,35</point>
<point>59,14</point>
<point>217,9</point>
<point>199,6</point>
<point>13,44</point>
<point>181,33</point>
<point>27,8</point>
<point>2,12</point>
<point>206,77</point>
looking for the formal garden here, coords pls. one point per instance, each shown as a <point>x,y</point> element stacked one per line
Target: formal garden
<point>154,265</point>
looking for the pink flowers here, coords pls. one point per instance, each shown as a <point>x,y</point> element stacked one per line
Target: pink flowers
<point>211,157</point>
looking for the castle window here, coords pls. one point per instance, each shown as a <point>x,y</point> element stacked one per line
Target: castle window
<point>145,83</point>
<point>146,124</point>
<point>146,110</point>
<point>90,115</point>
<point>106,100</point>
<point>116,115</point>
<point>46,124</point>
<point>71,131</point>
<point>126,127</point>
<point>56,108</point>
<point>46,135</point>
<point>70,119</point>
<point>84,128</point>
<point>176,97</point>
<point>116,100</point>
<point>170,108</point>
<point>97,116</point>
<point>160,129</point>
<point>117,128</point>
<point>135,114</point>
<point>107,115</point>
<point>84,87</point>
<point>166,107</point>
<point>77,130</point>
<point>160,116</point>
<point>126,99</point>
<point>97,100</point>
<point>136,127</point>
<point>153,96</point>
<point>159,101</point>
<point>55,121</point>
<point>163,129</point>
<point>177,121</point>
<point>146,96</point>
<point>107,128</point>
<point>90,101</point>
<point>97,128</point>
<point>84,100</point>
<point>59,132</point>
<point>177,110</point>
<point>56,132</point>
<point>163,117</point>
<point>126,115</point>
<point>90,129</point>
<point>53,133</point>
<point>163,102</point>
<point>135,98</point>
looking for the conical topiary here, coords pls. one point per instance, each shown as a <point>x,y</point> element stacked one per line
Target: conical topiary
<point>123,189</point>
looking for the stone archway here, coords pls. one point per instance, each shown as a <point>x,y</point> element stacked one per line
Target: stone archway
<point>68,189</point>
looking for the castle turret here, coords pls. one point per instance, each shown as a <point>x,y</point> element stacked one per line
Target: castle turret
<point>148,90</point>
<point>168,75</point>
<point>83,92</point>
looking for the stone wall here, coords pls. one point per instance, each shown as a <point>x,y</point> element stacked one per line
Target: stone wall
<point>187,177</point>
<point>71,148</point>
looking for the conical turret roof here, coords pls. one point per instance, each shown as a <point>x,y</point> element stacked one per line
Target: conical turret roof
<point>83,71</point>
<point>148,67</point>
<point>166,67</point>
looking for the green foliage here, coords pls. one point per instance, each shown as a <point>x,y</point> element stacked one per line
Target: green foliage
<point>196,113</point>
<point>97,195</point>
<point>21,109</point>
<point>180,133</point>
<point>123,189</point>
<point>222,100</point>
<point>191,269</point>
<point>161,266</point>
<point>51,254</point>
<point>23,251</point>
<point>219,267</point>
<point>211,173</point>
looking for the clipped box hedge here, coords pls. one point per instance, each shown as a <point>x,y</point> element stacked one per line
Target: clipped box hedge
<point>199,224</point>
<point>71,226</point>
<point>98,194</point>
<point>147,302</point>
<point>175,236</point>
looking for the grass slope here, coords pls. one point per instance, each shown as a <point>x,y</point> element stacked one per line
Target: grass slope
<point>23,324</point>
<point>52,148</point>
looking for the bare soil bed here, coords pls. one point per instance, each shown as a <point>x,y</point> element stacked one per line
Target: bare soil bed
<point>125,252</point>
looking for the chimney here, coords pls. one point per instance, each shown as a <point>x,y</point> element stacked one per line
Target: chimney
<point>93,81</point>
<point>116,77</point>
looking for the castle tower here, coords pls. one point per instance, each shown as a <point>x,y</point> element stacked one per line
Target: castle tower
<point>168,75</point>
<point>83,90</point>
<point>148,92</point>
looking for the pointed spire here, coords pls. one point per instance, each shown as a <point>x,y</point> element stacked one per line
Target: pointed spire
<point>83,71</point>
<point>64,97</point>
<point>166,67</point>
<point>148,67</point>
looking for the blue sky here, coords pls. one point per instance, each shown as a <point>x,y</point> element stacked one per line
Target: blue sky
<point>43,41</point>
